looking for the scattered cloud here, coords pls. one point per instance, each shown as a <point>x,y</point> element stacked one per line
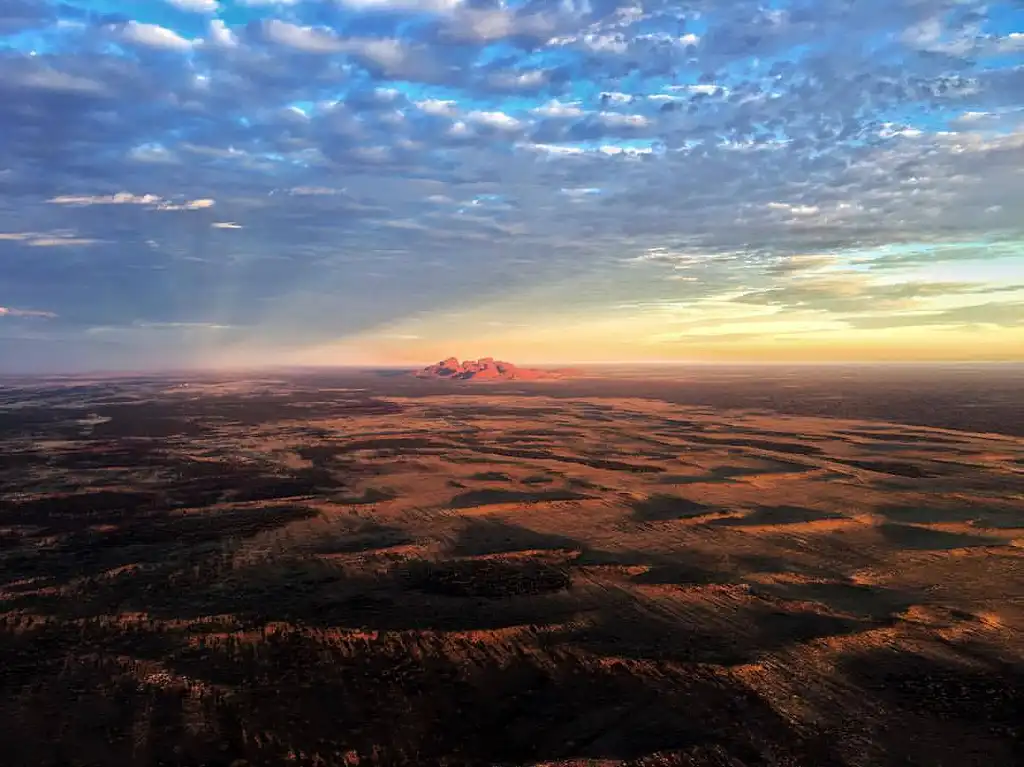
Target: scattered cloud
<point>154,36</point>
<point>47,240</point>
<point>151,201</point>
<point>373,158</point>
<point>196,6</point>
<point>6,311</point>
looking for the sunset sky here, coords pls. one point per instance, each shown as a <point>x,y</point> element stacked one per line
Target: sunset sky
<point>249,182</point>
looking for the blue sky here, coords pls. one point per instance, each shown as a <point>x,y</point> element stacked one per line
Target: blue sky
<point>204,182</point>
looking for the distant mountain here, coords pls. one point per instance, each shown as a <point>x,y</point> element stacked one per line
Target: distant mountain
<point>486,369</point>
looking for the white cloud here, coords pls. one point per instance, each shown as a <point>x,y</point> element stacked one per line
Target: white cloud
<point>311,191</point>
<point>437,107</point>
<point>196,6</point>
<point>305,39</point>
<point>512,81</point>
<point>153,154</point>
<point>59,242</point>
<point>558,109</point>
<point>55,81</point>
<point>707,89</point>
<point>401,5</point>
<point>7,311</point>
<point>387,53</point>
<point>154,36</point>
<point>154,202</point>
<point>187,205</point>
<point>498,120</point>
<point>617,120</point>
<point>121,198</point>
<point>795,210</point>
<point>221,35</point>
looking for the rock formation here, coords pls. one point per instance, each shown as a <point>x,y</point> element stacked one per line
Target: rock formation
<point>485,369</point>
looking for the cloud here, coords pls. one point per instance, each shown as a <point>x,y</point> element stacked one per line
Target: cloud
<point>151,201</point>
<point>154,36</point>
<point>220,35</point>
<point>60,242</point>
<point>373,158</point>
<point>120,198</point>
<point>6,311</point>
<point>196,6</point>
<point>306,39</point>
<point>47,240</point>
<point>497,120</point>
<point>1008,314</point>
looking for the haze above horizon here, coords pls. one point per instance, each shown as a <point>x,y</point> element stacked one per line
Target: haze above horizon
<point>387,182</point>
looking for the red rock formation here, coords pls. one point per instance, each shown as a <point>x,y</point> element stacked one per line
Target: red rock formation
<point>485,369</point>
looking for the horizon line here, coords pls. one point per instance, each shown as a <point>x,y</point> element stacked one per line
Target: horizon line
<point>365,367</point>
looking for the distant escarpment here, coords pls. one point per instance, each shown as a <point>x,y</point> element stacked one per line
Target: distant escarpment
<point>487,369</point>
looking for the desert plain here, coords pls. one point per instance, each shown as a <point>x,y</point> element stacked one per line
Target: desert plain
<point>727,567</point>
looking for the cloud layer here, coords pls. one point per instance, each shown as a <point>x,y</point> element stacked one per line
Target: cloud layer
<point>189,181</point>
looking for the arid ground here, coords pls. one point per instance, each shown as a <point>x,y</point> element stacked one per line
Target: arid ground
<point>720,567</point>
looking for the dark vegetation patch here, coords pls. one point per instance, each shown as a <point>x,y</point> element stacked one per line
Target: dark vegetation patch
<point>489,496</point>
<point>663,507</point>
<point>203,483</point>
<point>73,511</point>
<point>851,598</point>
<point>32,421</point>
<point>320,455</point>
<point>582,483</point>
<point>924,538</point>
<point>1010,520</point>
<point>493,536</point>
<point>780,627</point>
<point>152,539</point>
<point>683,574</point>
<point>538,479</point>
<point>888,436</point>
<point>896,468</point>
<point>643,634</point>
<point>200,527</point>
<point>979,515</point>
<point>394,445</point>
<point>363,537</point>
<point>306,694</point>
<point>251,410</point>
<point>558,433</point>
<point>150,426</point>
<point>778,515</point>
<point>368,496</point>
<point>127,453</point>
<point>686,567</point>
<point>594,463</point>
<point>507,439</point>
<point>729,473</point>
<point>992,695</point>
<point>796,448</point>
<point>16,461</point>
<point>490,476</point>
<point>299,482</point>
<point>486,578</point>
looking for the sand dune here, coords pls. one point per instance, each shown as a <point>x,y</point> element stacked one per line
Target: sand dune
<point>502,578</point>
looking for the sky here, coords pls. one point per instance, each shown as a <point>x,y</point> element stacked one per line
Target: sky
<point>220,183</point>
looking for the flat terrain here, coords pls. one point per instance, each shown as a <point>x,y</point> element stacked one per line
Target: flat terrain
<point>372,570</point>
